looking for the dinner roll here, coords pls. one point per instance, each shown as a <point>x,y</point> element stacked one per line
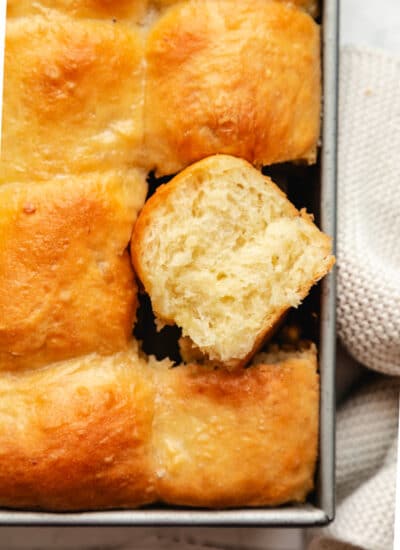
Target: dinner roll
<point>122,431</point>
<point>183,82</point>
<point>66,282</point>
<point>120,10</point>
<point>223,254</point>
<point>242,80</point>
<point>72,97</point>
<point>77,435</point>
<point>311,6</point>
<point>247,438</point>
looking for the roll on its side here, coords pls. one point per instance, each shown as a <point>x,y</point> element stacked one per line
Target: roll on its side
<point>242,80</point>
<point>66,283</point>
<point>223,254</point>
<point>120,432</point>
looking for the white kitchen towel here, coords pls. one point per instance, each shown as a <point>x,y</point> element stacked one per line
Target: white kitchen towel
<point>366,469</point>
<point>368,298</point>
<point>369,208</point>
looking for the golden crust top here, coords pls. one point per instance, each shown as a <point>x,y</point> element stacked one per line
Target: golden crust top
<point>93,89</point>
<point>76,436</point>
<point>242,81</point>
<point>103,432</point>
<point>195,79</point>
<point>57,72</point>
<point>125,10</point>
<point>66,282</point>
<point>229,439</point>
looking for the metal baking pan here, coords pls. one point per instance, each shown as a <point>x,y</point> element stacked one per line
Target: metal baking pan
<point>320,508</point>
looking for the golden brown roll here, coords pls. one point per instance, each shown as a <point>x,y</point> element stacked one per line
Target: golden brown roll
<point>77,435</point>
<point>214,83</point>
<point>73,97</point>
<point>242,81</point>
<point>311,6</point>
<point>66,282</point>
<point>247,438</point>
<point>125,10</point>
<point>98,432</point>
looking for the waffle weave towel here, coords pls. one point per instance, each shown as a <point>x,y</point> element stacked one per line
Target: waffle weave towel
<point>368,298</point>
<point>369,208</point>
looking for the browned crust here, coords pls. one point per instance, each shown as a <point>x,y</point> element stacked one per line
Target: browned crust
<point>57,70</point>
<point>191,354</point>
<point>58,64</point>
<point>77,436</point>
<point>111,432</point>
<point>233,439</point>
<point>233,80</point>
<point>66,283</point>
<point>125,10</point>
<point>311,6</point>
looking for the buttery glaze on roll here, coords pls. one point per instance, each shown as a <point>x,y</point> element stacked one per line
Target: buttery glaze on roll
<point>77,435</point>
<point>125,10</point>
<point>119,432</point>
<point>242,80</point>
<point>66,283</point>
<point>247,438</point>
<point>73,97</point>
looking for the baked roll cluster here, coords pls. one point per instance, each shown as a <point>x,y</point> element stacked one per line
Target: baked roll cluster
<point>97,95</point>
<point>182,82</point>
<point>122,431</point>
<point>66,281</point>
